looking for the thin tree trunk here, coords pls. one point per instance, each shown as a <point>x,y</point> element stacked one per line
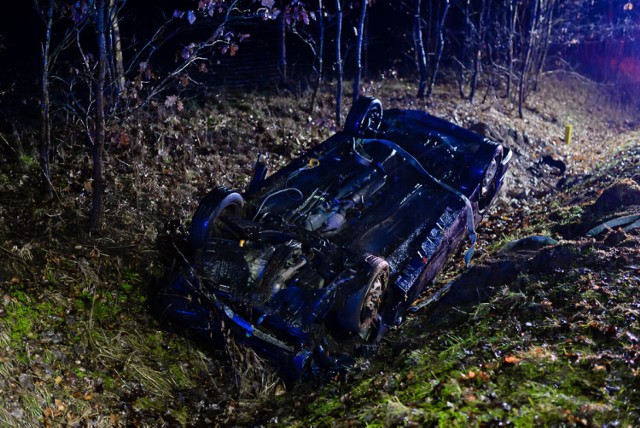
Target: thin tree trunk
<point>45,102</point>
<point>440,48</point>
<point>283,49</point>
<point>487,44</point>
<point>463,53</point>
<point>478,51</point>
<point>359,41</point>
<point>419,41</point>
<point>512,29</point>
<point>544,44</point>
<point>527,57</point>
<point>97,151</point>
<point>429,32</point>
<point>339,65</point>
<point>319,75</point>
<point>116,46</point>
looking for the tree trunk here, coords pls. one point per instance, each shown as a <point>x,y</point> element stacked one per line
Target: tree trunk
<point>487,44</point>
<point>319,75</point>
<point>547,16</point>
<point>439,28</point>
<point>463,51</point>
<point>339,65</point>
<point>478,51</point>
<point>512,29</point>
<point>359,41</point>
<point>527,57</point>
<point>116,46</point>
<point>419,42</point>
<point>45,102</point>
<point>283,49</point>
<point>97,151</point>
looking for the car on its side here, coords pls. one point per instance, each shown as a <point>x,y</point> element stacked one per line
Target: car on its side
<point>312,264</point>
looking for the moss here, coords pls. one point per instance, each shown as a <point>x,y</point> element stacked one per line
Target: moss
<point>23,317</point>
<point>27,159</point>
<point>149,403</point>
<point>567,214</point>
<point>325,409</point>
<point>180,376</point>
<point>181,415</point>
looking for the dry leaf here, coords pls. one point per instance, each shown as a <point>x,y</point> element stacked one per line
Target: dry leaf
<point>511,359</point>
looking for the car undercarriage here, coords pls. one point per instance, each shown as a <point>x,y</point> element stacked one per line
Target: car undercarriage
<point>311,265</point>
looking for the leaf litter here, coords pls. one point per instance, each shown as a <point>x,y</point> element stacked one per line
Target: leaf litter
<point>549,337</point>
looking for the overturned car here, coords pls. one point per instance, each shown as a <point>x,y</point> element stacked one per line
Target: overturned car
<point>312,264</point>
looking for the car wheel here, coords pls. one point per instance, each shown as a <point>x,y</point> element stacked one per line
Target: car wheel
<point>214,206</point>
<point>365,116</point>
<point>359,313</point>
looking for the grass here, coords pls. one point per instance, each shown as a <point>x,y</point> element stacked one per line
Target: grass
<point>507,366</point>
<point>80,348</point>
<point>70,356</point>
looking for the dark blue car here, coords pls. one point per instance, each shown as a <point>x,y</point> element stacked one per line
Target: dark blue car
<point>312,264</point>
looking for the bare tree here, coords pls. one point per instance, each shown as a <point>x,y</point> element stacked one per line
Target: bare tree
<point>536,37</point>
<point>339,64</point>
<point>466,28</point>
<point>419,43</point>
<point>440,48</point>
<point>45,103</point>
<point>282,33</point>
<point>97,150</point>
<point>298,19</point>
<point>512,17</point>
<point>359,42</point>
<point>115,46</point>
<point>319,55</point>
<point>544,41</point>
<point>482,24</point>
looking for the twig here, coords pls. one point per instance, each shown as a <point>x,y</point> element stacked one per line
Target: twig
<point>9,145</point>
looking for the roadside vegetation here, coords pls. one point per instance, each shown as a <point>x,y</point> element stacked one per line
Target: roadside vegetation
<point>131,121</point>
<point>549,337</point>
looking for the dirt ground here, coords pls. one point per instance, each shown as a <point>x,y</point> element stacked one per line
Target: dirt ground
<point>79,346</point>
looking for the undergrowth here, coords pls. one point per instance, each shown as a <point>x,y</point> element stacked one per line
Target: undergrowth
<point>79,346</point>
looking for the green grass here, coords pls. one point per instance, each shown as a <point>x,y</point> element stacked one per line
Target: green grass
<point>510,364</point>
<point>552,348</point>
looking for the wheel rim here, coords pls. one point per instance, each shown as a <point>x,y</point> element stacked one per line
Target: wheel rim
<point>371,121</point>
<point>372,303</point>
<point>218,224</point>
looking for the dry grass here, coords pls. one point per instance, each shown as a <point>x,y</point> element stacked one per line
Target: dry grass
<point>74,325</point>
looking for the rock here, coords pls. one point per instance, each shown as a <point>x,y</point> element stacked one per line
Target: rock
<point>623,193</point>
<point>615,238</point>
<point>25,381</point>
<point>480,128</point>
<point>529,243</point>
<point>554,163</point>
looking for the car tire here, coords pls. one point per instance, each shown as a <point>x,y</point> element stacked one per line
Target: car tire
<point>359,312</point>
<point>217,202</point>
<point>364,117</point>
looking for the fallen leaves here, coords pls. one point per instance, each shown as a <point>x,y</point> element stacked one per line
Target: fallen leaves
<point>56,411</point>
<point>512,359</point>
